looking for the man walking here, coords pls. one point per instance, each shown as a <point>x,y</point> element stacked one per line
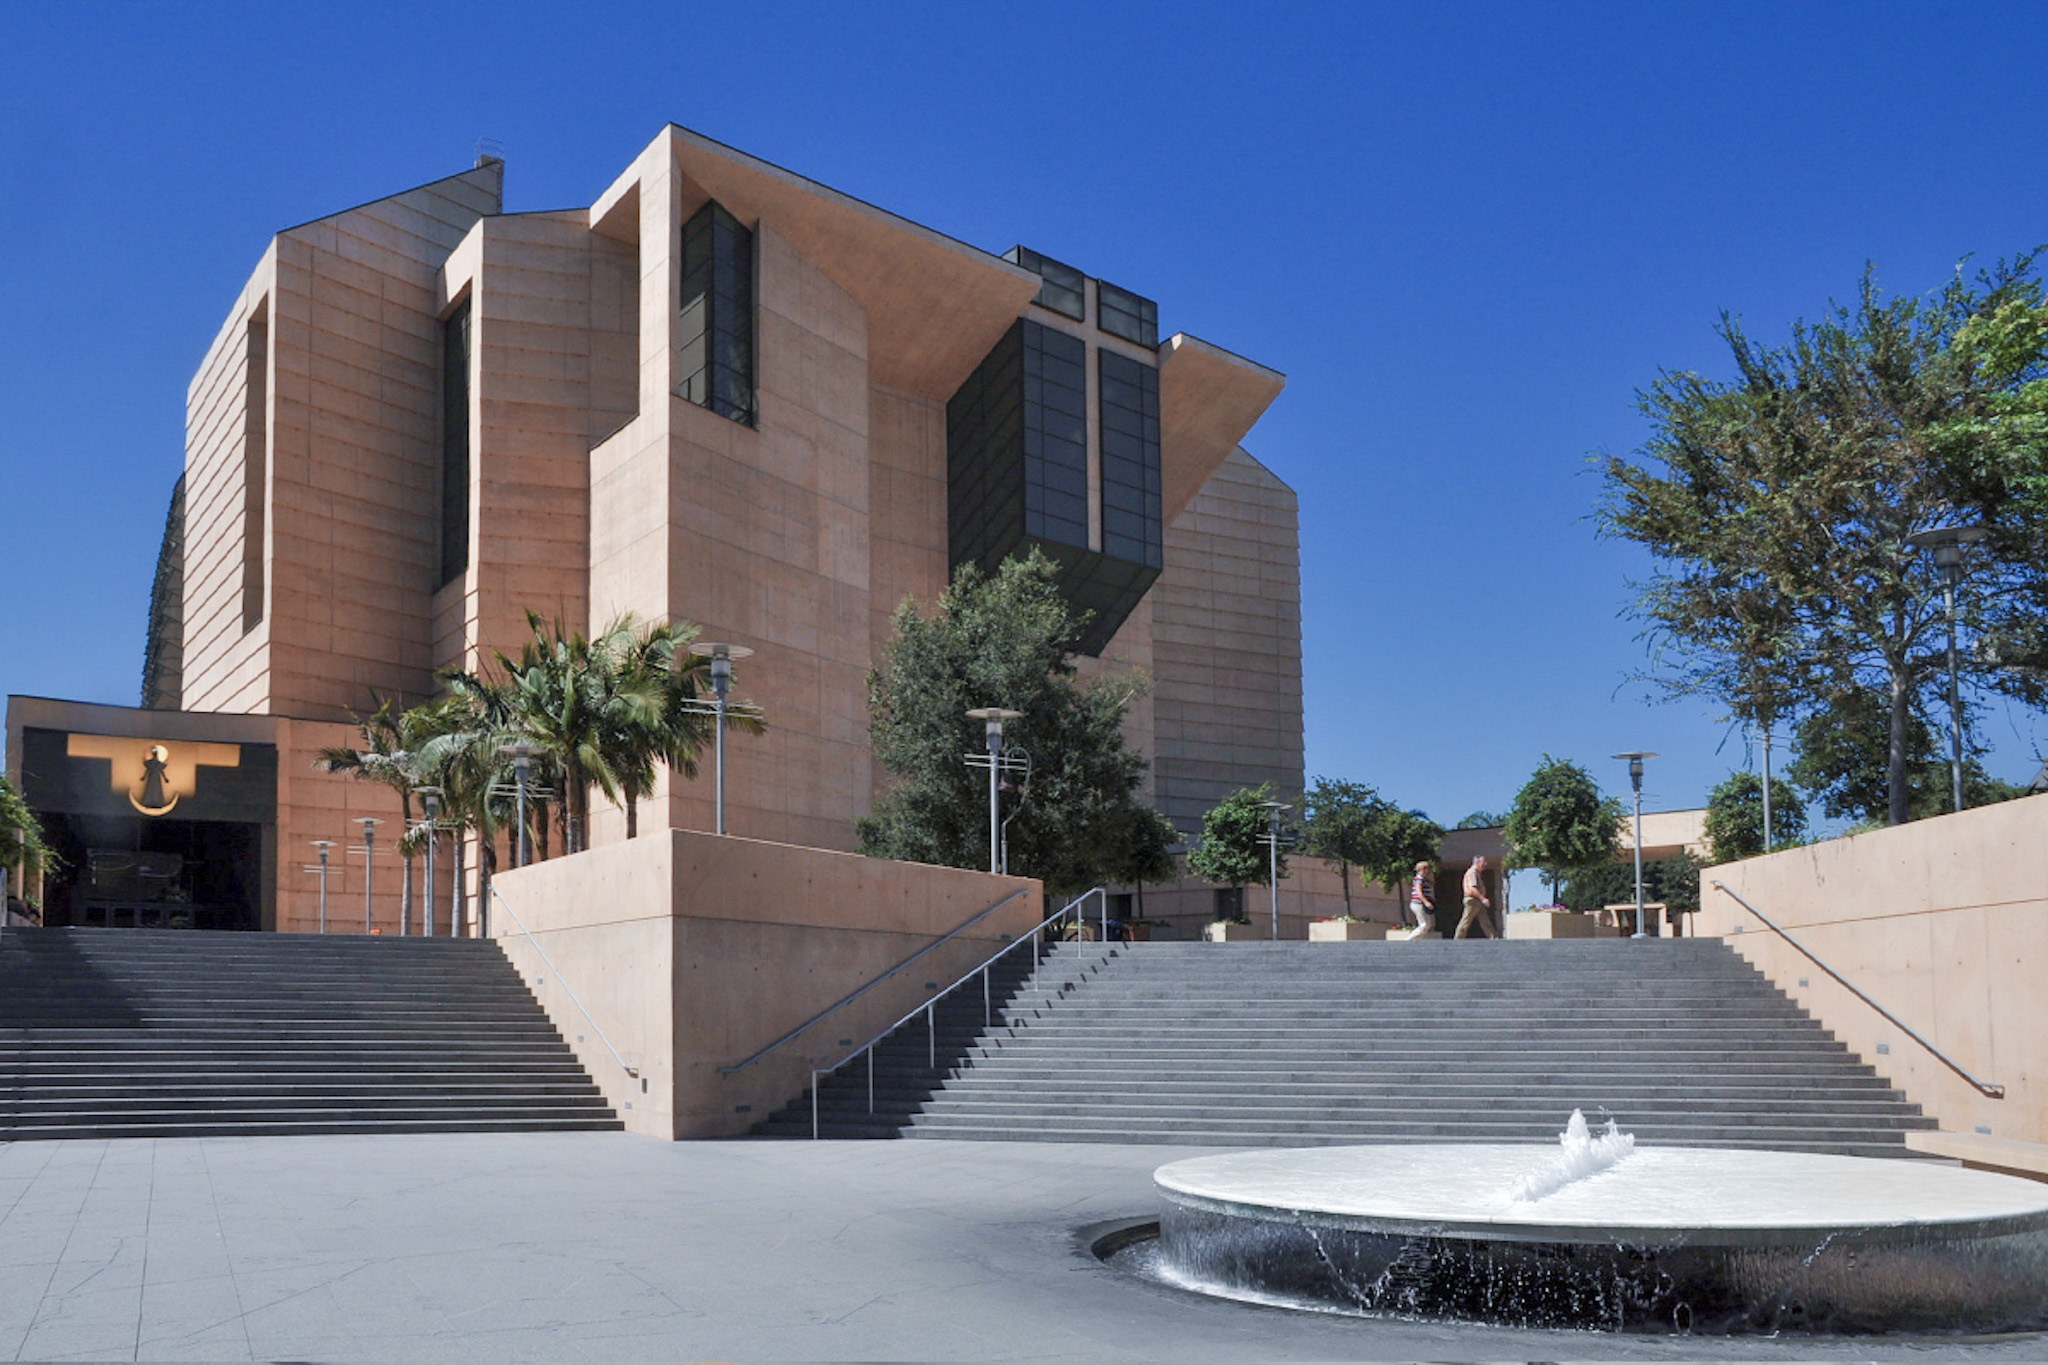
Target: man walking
<point>1478,905</point>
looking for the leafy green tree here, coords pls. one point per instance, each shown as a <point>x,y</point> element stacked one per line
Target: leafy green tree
<point>1232,851</point>
<point>1337,825</point>
<point>1142,851</point>
<point>1481,819</point>
<point>1351,824</point>
<point>1561,823</point>
<point>1735,816</point>
<point>1003,639</point>
<point>1778,507</point>
<point>1842,756</point>
<point>22,849</point>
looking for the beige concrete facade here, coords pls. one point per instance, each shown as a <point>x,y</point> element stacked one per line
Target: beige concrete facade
<point>687,953</point>
<point>596,489</point>
<point>1944,922</point>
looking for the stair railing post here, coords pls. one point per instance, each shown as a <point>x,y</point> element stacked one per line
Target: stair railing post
<point>987,1011</point>
<point>871,1078</point>
<point>1103,898</point>
<point>814,1106</point>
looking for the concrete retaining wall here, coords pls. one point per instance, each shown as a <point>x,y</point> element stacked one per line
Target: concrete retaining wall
<point>1945,923</point>
<point>690,951</point>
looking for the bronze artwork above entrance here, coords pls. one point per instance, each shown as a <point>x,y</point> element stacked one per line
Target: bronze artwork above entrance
<point>152,832</point>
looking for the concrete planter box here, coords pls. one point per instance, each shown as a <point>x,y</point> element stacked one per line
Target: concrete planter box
<point>1555,924</point>
<point>1227,932</point>
<point>1337,931</point>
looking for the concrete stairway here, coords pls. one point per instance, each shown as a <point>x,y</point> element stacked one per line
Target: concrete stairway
<point>1249,1044</point>
<point>156,1033</point>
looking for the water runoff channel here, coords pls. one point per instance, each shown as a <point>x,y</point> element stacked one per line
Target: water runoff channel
<point>1597,1233</point>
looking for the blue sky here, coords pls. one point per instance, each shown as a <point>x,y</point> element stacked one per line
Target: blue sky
<point>1467,233</point>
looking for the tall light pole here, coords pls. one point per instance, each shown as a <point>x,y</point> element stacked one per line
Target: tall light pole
<point>521,753</point>
<point>721,656</point>
<point>430,802</point>
<point>1635,777</point>
<point>1273,811</point>
<point>369,825</point>
<point>1947,542</point>
<point>323,845</point>
<point>993,719</point>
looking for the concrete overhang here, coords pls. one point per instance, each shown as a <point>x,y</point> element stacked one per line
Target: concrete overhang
<point>935,306</point>
<point>1208,401</point>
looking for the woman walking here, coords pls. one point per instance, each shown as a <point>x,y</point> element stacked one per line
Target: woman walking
<point>1421,903</point>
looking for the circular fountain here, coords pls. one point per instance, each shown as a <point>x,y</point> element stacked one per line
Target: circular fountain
<point>1605,1236</point>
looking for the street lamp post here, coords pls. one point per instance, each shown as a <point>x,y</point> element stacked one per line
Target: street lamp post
<point>993,719</point>
<point>1273,811</point>
<point>323,845</point>
<point>1635,777</point>
<point>1947,542</point>
<point>721,656</point>
<point>430,801</point>
<point>369,824</point>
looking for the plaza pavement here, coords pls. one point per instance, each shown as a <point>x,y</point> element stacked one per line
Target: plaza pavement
<point>599,1246</point>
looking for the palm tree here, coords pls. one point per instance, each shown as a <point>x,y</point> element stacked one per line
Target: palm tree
<point>464,760</point>
<point>391,739</point>
<point>568,697</point>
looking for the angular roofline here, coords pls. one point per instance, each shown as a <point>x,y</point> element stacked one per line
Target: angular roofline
<point>425,185</point>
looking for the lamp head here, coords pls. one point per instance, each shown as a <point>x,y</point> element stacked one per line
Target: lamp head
<point>721,655</point>
<point>430,801</point>
<point>992,719</point>
<point>1635,766</point>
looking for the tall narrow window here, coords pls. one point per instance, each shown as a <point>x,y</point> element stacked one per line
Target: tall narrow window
<point>1131,527</point>
<point>255,460</point>
<point>717,359</point>
<point>455,444</point>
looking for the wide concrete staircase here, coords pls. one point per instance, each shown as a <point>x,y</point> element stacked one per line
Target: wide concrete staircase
<point>156,1033</point>
<point>1248,1044</point>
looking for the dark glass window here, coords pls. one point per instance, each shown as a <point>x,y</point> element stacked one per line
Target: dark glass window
<point>717,359</point>
<point>1124,314</point>
<point>1130,460</point>
<point>1063,289</point>
<point>1055,436</point>
<point>455,348</point>
<point>1229,902</point>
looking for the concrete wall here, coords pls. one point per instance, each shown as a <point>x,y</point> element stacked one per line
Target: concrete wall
<point>1944,922</point>
<point>1225,624</point>
<point>691,951</point>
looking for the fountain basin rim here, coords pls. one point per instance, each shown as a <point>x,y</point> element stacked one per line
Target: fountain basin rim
<point>1795,1199</point>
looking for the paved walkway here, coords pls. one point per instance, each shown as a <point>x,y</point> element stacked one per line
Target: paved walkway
<point>566,1247</point>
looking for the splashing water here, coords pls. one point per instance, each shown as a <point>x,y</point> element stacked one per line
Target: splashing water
<point>1583,1155</point>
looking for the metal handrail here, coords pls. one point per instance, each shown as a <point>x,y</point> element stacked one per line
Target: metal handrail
<point>930,1007</point>
<point>858,992</point>
<point>1988,1090</point>
<point>566,989</point>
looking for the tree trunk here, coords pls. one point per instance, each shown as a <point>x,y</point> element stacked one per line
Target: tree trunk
<point>461,907</point>
<point>1344,880</point>
<point>405,892</point>
<point>487,862</point>
<point>632,815</point>
<point>1895,758</point>
<point>539,821</point>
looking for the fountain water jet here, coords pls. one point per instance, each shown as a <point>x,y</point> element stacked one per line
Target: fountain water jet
<point>1606,1235</point>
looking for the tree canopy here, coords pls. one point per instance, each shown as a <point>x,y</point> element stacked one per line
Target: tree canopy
<point>1004,639</point>
<point>1842,757</point>
<point>1561,823</point>
<point>1778,507</point>
<point>1735,816</point>
<point>1232,851</point>
<point>1352,825</point>
<point>22,848</point>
